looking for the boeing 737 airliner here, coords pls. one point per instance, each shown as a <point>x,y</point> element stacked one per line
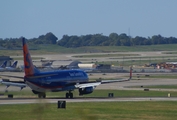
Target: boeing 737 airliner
<point>54,81</point>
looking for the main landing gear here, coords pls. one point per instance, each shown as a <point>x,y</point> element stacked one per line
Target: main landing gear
<point>41,95</point>
<point>69,95</point>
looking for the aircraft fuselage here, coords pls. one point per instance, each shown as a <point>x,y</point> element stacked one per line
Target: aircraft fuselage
<point>56,80</point>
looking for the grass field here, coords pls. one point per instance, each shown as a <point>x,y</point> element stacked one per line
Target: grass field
<point>128,60</point>
<point>34,58</point>
<point>149,110</point>
<point>55,49</point>
<point>136,62</point>
<point>170,52</point>
<point>97,93</point>
<point>161,76</point>
<point>105,55</point>
<point>158,86</point>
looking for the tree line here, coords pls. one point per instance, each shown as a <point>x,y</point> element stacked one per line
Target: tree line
<point>113,40</point>
<point>16,43</point>
<point>90,40</point>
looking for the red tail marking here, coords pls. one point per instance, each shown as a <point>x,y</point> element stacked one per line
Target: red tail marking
<point>28,65</point>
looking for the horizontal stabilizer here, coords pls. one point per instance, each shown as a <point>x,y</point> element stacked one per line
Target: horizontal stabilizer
<point>13,76</point>
<point>13,83</point>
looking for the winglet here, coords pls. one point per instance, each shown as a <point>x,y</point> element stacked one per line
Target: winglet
<point>30,70</point>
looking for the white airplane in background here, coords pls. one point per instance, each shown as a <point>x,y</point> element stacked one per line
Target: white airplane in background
<point>3,66</point>
<point>12,67</point>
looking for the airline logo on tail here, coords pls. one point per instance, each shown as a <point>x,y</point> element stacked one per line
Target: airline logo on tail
<point>4,64</point>
<point>29,67</point>
<point>15,64</point>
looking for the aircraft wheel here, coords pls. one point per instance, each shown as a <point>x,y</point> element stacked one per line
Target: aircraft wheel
<point>44,95</point>
<point>67,95</point>
<point>71,95</point>
<point>41,95</point>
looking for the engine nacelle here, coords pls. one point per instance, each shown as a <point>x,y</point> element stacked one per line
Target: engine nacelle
<point>86,90</point>
<point>35,92</point>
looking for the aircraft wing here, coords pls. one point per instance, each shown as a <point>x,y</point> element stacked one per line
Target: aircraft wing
<point>13,83</point>
<point>118,80</point>
<point>84,85</point>
<point>112,81</point>
<point>95,84</point>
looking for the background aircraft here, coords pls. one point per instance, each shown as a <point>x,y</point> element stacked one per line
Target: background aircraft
<point>2,67</point>
<point>12,67</point>
<point>54,81</point>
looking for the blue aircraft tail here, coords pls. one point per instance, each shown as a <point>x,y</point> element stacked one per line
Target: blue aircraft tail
<point>4,64</point>
<point>29,68</point>
<point>14,64</point>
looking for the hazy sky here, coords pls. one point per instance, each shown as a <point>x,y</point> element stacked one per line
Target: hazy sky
<point>31,18</point>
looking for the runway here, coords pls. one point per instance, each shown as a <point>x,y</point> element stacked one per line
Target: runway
<point>120,99</point>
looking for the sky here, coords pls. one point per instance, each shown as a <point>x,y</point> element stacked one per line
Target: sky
<point>32,18</point>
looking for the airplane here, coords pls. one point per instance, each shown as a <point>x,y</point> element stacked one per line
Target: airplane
<point>54,81</point>
<point>12,67</point>
<point>3,66</point>
<point>74,65</point>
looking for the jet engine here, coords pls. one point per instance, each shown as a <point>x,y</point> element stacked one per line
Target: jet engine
<point>86,90</point>
<point>35,92</point>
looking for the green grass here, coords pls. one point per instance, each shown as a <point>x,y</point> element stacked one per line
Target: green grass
<point>169,52</point>
<point>161,76</point>
<point>104,55</point>
<point>169,47</point>
<point>158,86</point>
<point>134,61</point>
<point>55,49</point>
<point>10,52</point>
<point>160,110</point>
<point>97,93</point>
<point>149,110</point>
<point>34,58</point>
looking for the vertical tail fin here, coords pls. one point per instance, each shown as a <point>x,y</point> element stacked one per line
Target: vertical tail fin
<point>14,64</point>
<point>30,70</point>
<point>4,64</point>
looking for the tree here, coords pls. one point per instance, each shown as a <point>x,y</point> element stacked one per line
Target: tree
<point>139,40</point>
<point>50,38</point>
<point>64,40</point>
<point>158,39</point>
<point>89,40</point>
<point>124,39</point>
